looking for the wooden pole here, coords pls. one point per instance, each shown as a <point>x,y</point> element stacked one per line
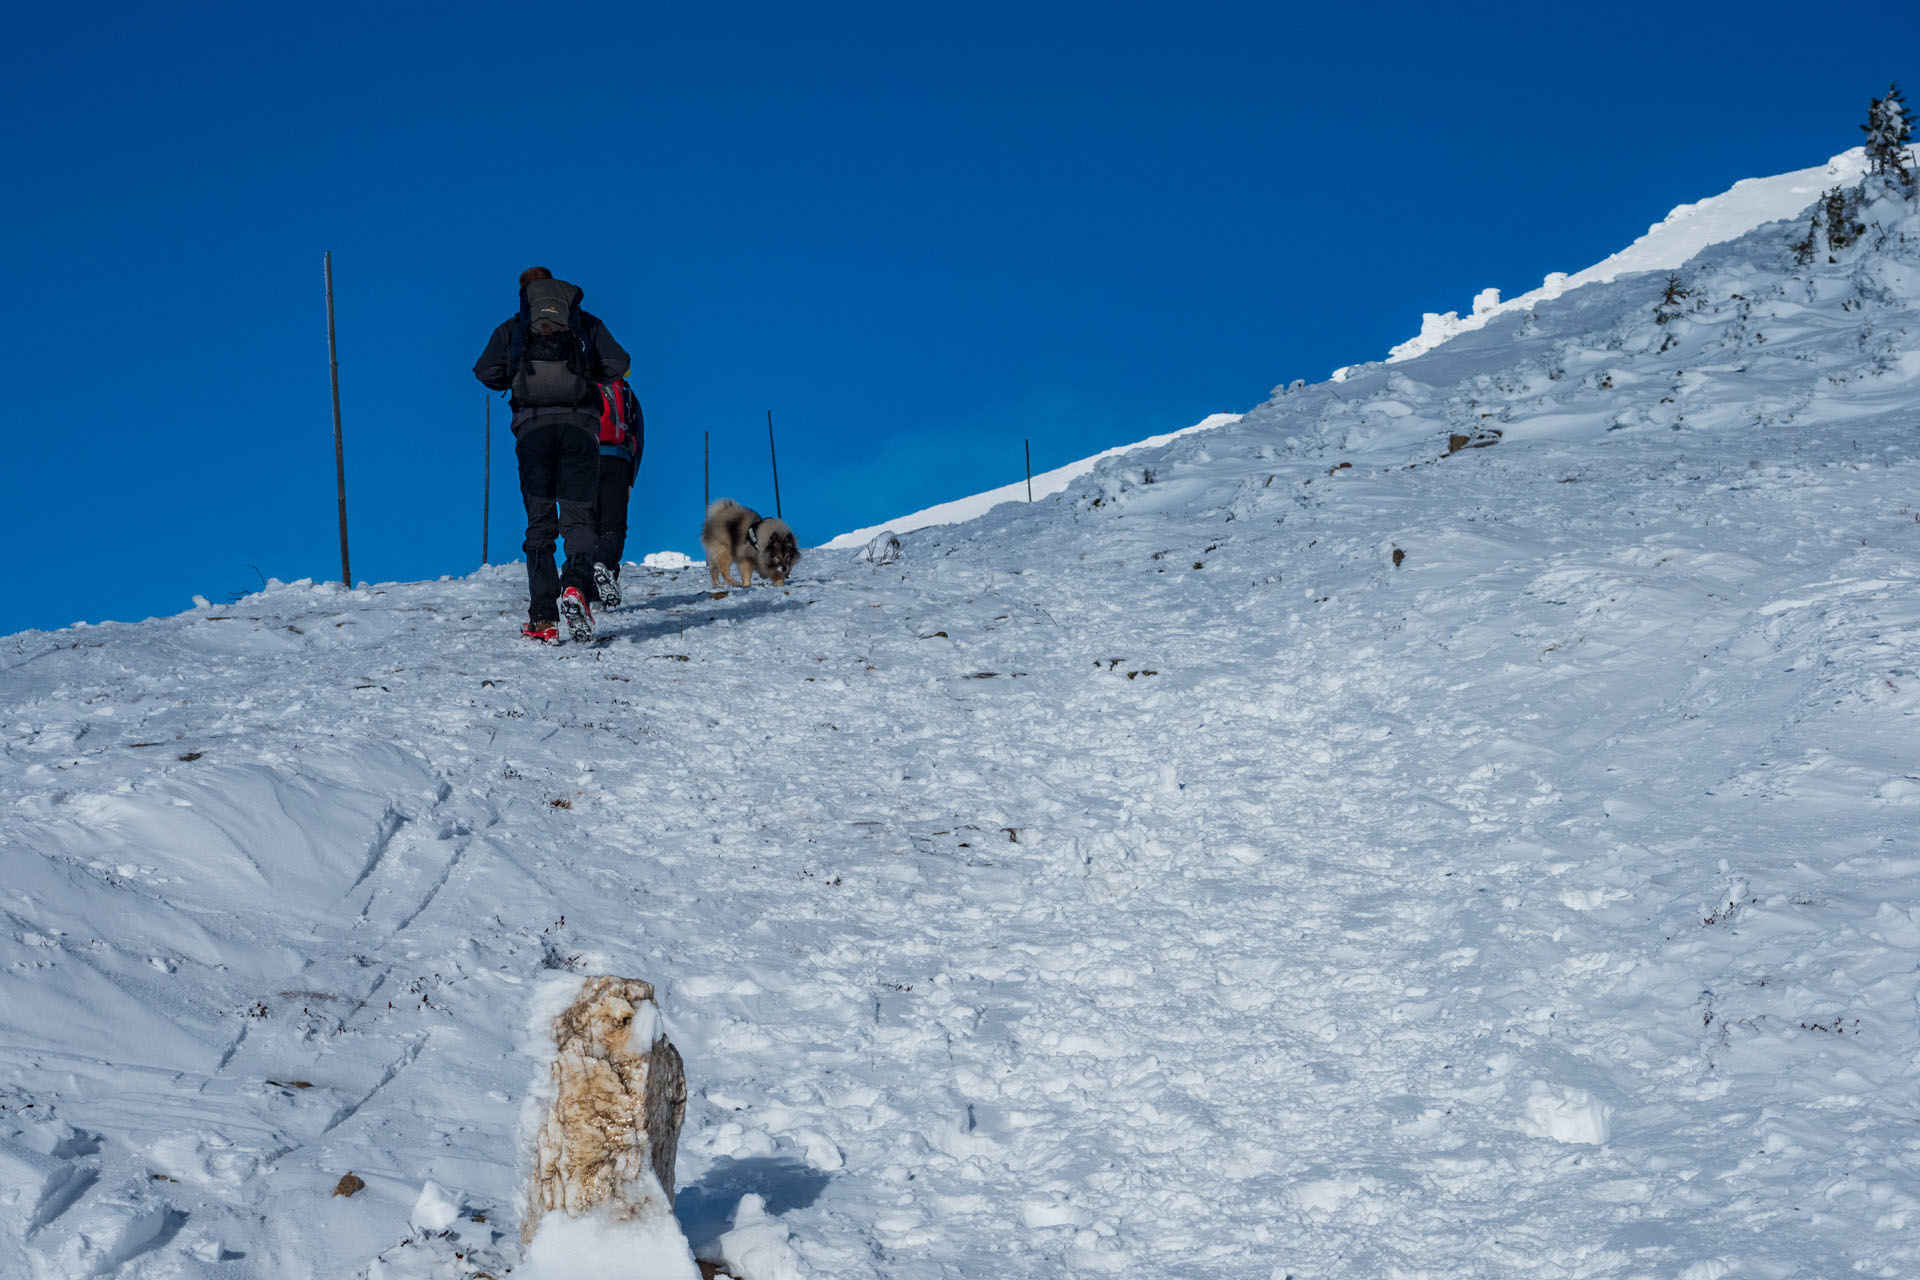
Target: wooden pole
<point>776,464</point>
<point>1029,447</point>
<point>486,485</point>
<point>339,450</point>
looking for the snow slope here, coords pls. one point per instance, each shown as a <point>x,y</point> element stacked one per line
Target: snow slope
<point>1668,244</point>
<point>1044,485</point>
<point>1293,850</point>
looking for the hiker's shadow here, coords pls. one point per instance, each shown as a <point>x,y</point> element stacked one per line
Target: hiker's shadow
<point>657,617</point>
<point>705,1208</point>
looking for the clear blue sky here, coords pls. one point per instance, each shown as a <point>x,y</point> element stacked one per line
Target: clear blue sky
<point>917,233</point>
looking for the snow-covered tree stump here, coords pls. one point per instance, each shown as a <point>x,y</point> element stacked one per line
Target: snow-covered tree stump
<point>612,1125</point>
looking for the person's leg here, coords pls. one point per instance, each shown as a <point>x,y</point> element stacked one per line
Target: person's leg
<point>578,462</point>
<point>535,450</point>
<point>610,511</point>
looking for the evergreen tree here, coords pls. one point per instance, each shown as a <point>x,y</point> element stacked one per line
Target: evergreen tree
<point>1803,248</point>
<point>1838,209</point>
<point>1672,303</point>
<point>1888,132</point>
<point>1669,306</point>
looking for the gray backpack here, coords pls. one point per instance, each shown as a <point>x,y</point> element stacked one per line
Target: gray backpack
<point>548,352</point>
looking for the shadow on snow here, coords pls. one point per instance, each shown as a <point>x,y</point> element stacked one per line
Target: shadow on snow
<point>705,1208</point>
<point>640,625</point>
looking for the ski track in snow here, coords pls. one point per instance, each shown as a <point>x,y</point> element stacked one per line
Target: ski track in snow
<point>1153,880</point>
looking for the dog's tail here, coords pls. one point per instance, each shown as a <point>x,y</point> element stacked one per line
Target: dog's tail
<point>723,504</point>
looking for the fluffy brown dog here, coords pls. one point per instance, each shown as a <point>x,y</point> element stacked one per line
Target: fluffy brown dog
<point>735,535</point>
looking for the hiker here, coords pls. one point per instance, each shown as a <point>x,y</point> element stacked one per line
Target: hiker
<point>552,356</point>
<point>622,437</point>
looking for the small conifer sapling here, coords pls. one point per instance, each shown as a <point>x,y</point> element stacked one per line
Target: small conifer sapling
<point>1672,303</point>
<point>1839,210</point>
<point>1804,248</point>
<point>1889,131</point>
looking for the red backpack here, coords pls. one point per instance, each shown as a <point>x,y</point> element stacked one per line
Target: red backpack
<point>620,418</point>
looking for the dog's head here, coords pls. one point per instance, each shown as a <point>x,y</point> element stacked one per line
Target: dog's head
<point>778,550</point>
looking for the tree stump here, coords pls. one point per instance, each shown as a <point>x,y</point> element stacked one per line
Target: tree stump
<point>612,1125</point>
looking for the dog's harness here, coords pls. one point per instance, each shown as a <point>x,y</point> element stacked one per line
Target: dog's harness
<point>753,534</point>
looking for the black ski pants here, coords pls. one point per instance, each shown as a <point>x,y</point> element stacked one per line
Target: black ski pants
<point>559,464</point>
<point>610,511</point>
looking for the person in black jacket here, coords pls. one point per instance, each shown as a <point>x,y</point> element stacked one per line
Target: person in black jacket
<point>622,437</point>
<point>551,357</point>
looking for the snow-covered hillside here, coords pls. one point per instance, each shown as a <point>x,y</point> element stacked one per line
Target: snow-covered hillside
<point>1044,485</point>
<point>1668,244</point>
<point>1295,849</point>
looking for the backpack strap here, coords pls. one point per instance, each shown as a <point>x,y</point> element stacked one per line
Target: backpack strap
<point>578,324</point>
<point>517,336</point>
<point>516,345</point>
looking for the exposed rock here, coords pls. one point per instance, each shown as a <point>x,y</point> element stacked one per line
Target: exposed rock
<point>1477,438</point>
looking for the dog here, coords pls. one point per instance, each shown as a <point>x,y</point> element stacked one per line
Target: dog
<point>735,535</point>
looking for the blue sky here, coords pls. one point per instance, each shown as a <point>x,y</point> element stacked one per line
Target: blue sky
<point>919,234</point>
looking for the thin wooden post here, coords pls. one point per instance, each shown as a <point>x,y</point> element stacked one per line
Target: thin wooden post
<point>486,480</point>
<point>339,450</point>
<point>776,464</point>
<point>1028,444</point>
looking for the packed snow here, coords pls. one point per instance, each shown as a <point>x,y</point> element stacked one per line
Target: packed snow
<point>1462,820</point>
